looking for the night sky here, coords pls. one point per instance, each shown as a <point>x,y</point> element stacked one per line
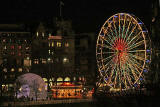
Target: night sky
<point>86,15</point>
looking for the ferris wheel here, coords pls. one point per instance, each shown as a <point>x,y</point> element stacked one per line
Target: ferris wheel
<point>123,51</point>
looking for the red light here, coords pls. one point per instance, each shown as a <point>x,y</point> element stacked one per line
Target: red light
<point>12,47</point>
<point>120,47</point>
<point>19,47</point>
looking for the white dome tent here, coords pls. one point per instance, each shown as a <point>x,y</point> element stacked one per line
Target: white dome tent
<point>31,86</point>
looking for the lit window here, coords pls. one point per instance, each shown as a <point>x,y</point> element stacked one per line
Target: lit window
<point>37,34</point>
<point>36,61</point>
<point>5,69</point>
<point>59,81</point>
<point>52,53</point>
<point>50,60</point>
<point>49,52</point>
<point>52,44</point>
<point>67,79</point>
<point>12,70</point>
<point>5,47</point>
<point>49,44</point>
<point>19,69</point>
<point>44,61</point>
<point>65,60</point>
<point>27,62</point>
<point>66,44</point>
<point>19,47</point>
<point>12,47</point>
<point>27,47</point>
<point>43,34</point>
<point>5,77</point>
<point>28,58</point>
<point>58,44</point>
<point>4,40</point>
<point>74,78</point>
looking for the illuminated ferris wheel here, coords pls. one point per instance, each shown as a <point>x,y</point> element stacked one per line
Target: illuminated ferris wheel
<point>123,51</point>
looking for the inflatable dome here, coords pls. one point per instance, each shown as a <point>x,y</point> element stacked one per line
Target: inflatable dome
<point>30,86</point>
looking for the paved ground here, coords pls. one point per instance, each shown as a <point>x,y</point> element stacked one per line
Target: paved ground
<point>32,103</point>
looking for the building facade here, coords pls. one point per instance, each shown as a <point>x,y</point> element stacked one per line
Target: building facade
<point>15,55</point>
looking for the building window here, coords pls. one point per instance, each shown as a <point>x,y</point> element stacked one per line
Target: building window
<point>44,61</point>
<point>12,47</point>
<point>4,40</point>
<point>52,53</point>
<point>12,70</point>
<point>49,44</point>
<point>37,34</point>
<point>52,44</point>
<point>66,44</point>
<point>67,79</point>
<point>19,69</point>
<point>49,52</point>
<point>27,62</point>
<point>43,34</point>
<point>50,60</point>
<point>27,47</point>
<point>19,47</point>
<point>5,70</point>
<point>36,61</point>
<point>65,60</point>
<point>59,44</point>
<point>5,47</point>
<point>59,81</point>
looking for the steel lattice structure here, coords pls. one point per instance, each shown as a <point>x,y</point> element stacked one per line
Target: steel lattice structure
<point>123,51</point>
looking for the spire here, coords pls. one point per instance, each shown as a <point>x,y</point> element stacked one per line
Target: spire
<point>61,5</point>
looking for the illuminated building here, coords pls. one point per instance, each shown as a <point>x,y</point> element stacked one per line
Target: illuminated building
<point>53,55</point>
<point>15,54</point>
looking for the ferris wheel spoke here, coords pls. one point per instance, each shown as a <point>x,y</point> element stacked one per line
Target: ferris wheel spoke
<point>112,72</point>
<point>136,73</point>
<point>107,64</point>
<point>133,69</point>
<point>136,57</point>
<point>105,46</point>
<point>113,33</point>
<point>105,53</point>
<point>128,28</point>
<point>115,79</point>
<point>109,57</point>
<point>136,45</point>
<point>107,40</point>
<point>119,25</point>
<point>135,51</point>
<point>129,78</point>
<point>131,32</point>
<point>137,36</point>
<point>115,27</point>
<point>105,31</point>
<point>123,25</point>
<point>136,65</point>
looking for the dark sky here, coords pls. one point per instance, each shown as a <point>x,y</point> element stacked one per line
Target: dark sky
<point>87,15</point>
